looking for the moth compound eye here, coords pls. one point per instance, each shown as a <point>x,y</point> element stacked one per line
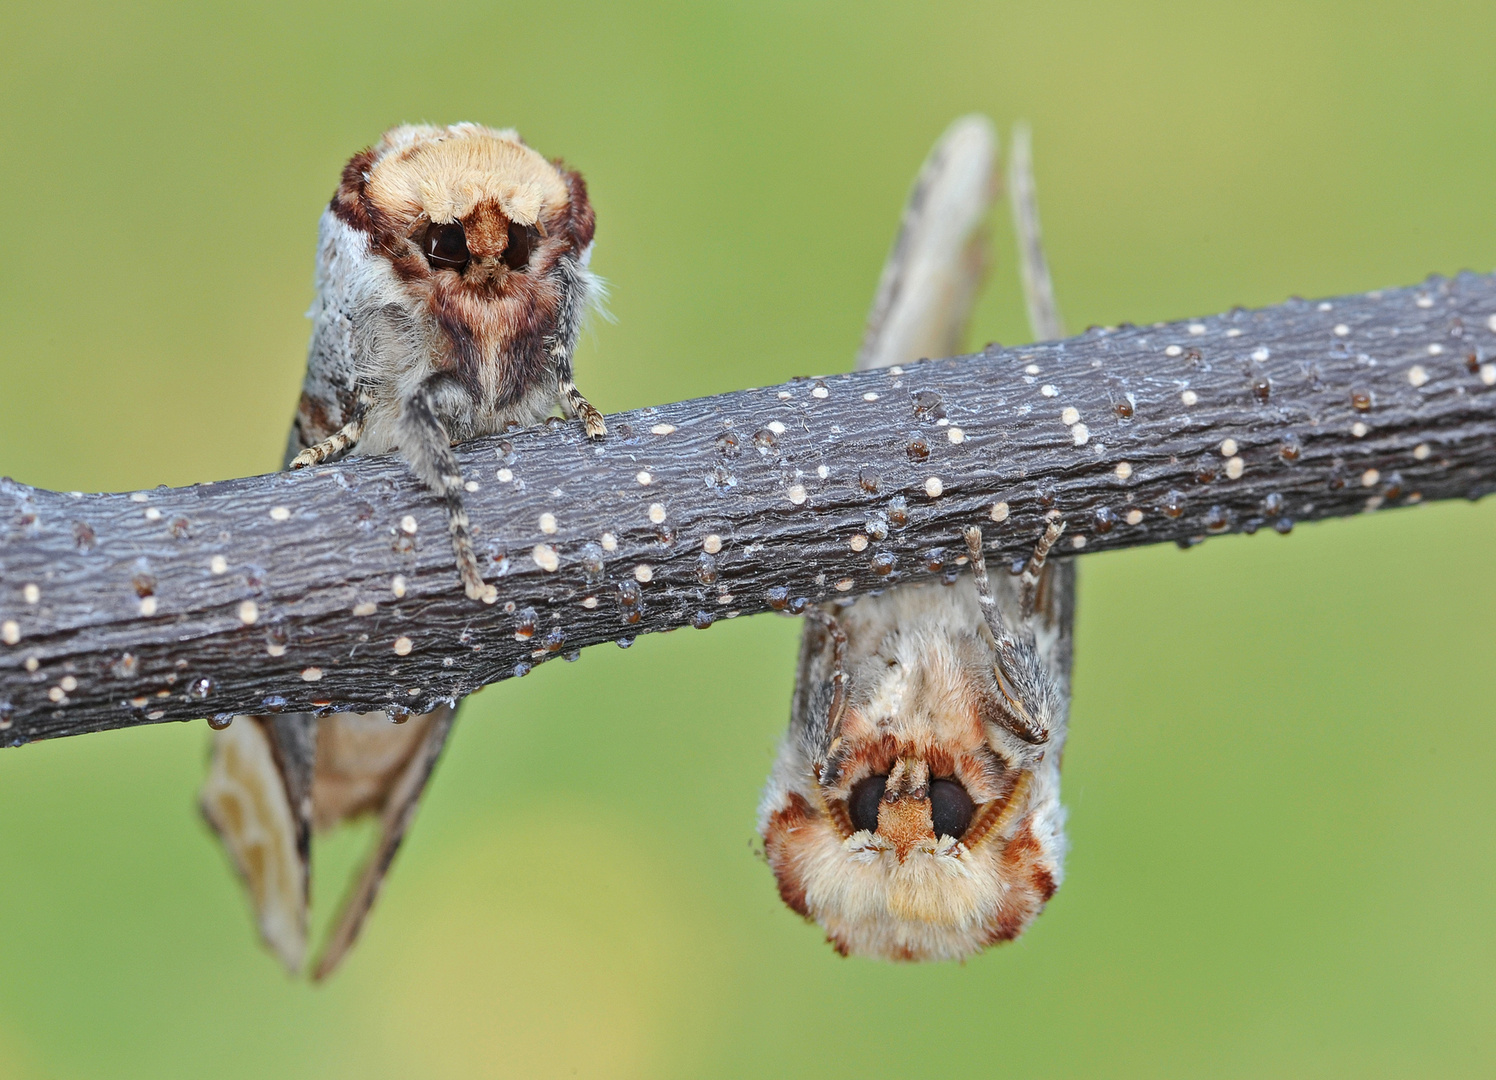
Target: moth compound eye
<point>950,807</point>
<point>446,247</point>
<point>522,240</point>
<point>867,793</point>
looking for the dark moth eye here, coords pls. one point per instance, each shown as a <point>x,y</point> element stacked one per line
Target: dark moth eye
<point>867,793</point>
<point>950,807</point>
<point>446,247</point>
<point>521,240</point>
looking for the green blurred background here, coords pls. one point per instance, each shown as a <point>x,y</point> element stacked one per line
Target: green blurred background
<point>1280,771</point>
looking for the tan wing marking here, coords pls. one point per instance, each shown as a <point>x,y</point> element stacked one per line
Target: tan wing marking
<point>937,264</point>
<point>245,801</point>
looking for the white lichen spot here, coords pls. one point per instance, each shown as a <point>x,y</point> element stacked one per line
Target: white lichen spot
<point>1421,452</point>
<point>10,631</point>
<point>1173,350</point>
<point>311,674</point>
<point>1080,434</point>
<point>1031,369</point>
<point>1048,390</point>
<point>218,564</point>
<point>589,602</point>
<point>367,607</point>
<point>1370,477</point>
<point>1325,305</point>
<point>548,523</point>
<point>712,544</point>
<point>1341,330</point>
<point>1134,517</point>
<point>858,542</point>
<point>1077,542</point>
<point>644,478</point>
<point>1071,415</point>
<point>470,485</point>
<point>1425,301</point>
<point>657,512</point>
<point>503,476</point>
<point>155,714</point>
<point>871,395</point>
<point>1374,503</point>
<point>824,472</point>
<point>546,558</point>
<point>1228,448</point>
<point>1123,470</point>
<point>1436,350</point>
<point>999,512</point>
<point>490,596</point>
<point>1189,397</point>
<point>30,593</point>
<point>32,663</point>
<point>1488,374</point>
<point>1417,375</point>
<point>249,612</point>
<point>1261,353</point>
<point>152,514</point>
<point>644,573</point>
<point>1233,332</point>
<point>820,392</point>
<point>280,513</point>
<point>662,429</point>
<point>844,585</point>
<point>896,370</point>
<point>783,395</point>
<point>608,541</point>
<point>148,606</point>
<point>409,525</point>
<point>140,496</point>
<point>55,694</point>
<point>402,646</point>
<point>796,494</point>
<point>1359,430</point>
<point>1197,328</point>
<point>934,487</point>
<point>1234,468</point>
<point>397,585</point>
<point>775,426</point>
<point>955,435</point>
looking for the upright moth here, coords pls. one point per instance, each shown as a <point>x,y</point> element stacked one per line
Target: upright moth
<point>914,807</point>
<point>451,285</point>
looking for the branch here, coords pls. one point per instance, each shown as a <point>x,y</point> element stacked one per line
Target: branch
<point>336,589</point>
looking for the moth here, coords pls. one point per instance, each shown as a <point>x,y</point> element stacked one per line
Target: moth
<point>452,280</point>
<point>913,810</point>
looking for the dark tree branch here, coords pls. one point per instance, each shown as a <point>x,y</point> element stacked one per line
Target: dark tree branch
<point>336,588</point>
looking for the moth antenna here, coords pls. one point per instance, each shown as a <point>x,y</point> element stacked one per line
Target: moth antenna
<point>1038,289</point>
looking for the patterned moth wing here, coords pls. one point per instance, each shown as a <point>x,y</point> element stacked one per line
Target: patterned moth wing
<point>914,807</point>
<point>450,289</point>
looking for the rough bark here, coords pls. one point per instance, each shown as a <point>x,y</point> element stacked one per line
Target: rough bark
<point>336,589</point>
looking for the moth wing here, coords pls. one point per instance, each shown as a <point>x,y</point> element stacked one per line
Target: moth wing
<point>385,769</point>
<point>257,797</point>
<point>939,258</point>
<point>329,391</point>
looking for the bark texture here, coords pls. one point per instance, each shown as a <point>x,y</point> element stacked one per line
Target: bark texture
<point>336,588</point>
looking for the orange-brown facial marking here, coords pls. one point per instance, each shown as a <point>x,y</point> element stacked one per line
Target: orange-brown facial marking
<point>487,232</point>
<point>905,823</point>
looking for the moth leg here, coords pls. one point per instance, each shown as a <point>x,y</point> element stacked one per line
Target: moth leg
<point>427,449</point>
<point>836,709</point>
<point>396,815</point>
<point>1012,655</point>
<point>1028,581</point>
<point>576,407</point>
<point>341,441</point>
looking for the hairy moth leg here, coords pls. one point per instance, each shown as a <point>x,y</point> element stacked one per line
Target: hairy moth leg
<point>427,449</point>
<point>339,442</point>
<point>576,407</point>
<point>1010,658</point>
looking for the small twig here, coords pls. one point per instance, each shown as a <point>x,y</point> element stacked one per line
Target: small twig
<point>334,588</point>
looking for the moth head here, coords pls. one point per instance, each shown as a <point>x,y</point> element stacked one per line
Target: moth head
<point>464,212</point>
<point>924,822</point>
